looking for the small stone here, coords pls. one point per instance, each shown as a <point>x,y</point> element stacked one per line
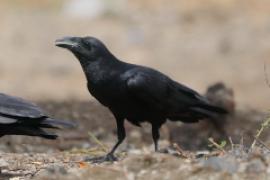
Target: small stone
<point>3,163</point>
<point>255,166</point>
<point>15,178</point>
<point>221,164</point>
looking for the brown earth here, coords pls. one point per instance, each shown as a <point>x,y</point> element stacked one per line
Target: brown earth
<point>189,154</point>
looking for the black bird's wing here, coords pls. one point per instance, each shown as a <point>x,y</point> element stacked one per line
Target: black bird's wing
<point>160,92</point>
<point>148,90</point>
<point>157,91</point>
<point>14,109</point>
<point>18,107</point>
<point>20,117</point>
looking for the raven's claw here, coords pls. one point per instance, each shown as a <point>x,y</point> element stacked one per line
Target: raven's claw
<point>107,158</point>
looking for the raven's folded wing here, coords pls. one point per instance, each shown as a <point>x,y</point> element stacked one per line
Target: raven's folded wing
<point>18,107</point>
<point>146,92</point>
<point>158,91</point>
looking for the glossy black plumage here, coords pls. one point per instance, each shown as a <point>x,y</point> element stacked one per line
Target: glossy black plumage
<point>136,93</point>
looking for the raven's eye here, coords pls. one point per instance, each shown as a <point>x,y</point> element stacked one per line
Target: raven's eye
<point>88,44</point>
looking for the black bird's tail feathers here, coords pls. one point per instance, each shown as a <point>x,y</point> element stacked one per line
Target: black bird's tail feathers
<point>45,134</point>
<point>30,131</point>
<point>214,109</point>
<point>37,129</point>
<point>209,111</point>
<point>57,123</point>
<point>199,112</point>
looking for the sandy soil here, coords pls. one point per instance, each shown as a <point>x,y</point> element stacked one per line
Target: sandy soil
<point>137,166</point>
<point>188,152</point>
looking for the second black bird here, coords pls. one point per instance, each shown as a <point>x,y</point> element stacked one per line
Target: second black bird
<point>21,117</point>
<point>135,93</point>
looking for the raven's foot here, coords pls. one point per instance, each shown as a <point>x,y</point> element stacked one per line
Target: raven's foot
<point>107,158</point>
<point>163,151</point>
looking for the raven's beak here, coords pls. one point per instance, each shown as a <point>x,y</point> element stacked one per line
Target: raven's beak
<point>67,42</point>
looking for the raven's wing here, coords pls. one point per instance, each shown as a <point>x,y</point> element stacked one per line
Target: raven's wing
<point>17,107</point>
<point>157,90</point>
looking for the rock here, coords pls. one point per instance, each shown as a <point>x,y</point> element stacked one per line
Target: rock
<point>225,164</point>
<point>52,170</point>
<point>3,164</point>
<point>222,96</point>
<point>254,166</point>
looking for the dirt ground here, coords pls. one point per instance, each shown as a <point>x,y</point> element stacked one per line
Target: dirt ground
<point>188,154</point>
<point>196,43</point>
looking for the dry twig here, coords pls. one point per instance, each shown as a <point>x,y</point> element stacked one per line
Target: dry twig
<point>180,151</point>
<point>232,144</point>
<point>103,147</point>
<point>216,145</point>
<point>262,143</point>
<point>264,125</point>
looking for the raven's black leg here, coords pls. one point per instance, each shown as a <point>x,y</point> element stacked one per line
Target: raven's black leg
<point>155,135</point>
<point>121,134</point>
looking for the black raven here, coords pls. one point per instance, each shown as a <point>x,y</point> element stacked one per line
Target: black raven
<point>20,117</point>
<point>136,93</point>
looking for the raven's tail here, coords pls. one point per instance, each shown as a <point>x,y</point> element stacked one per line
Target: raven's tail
<point>30,131</point>
<point>45,134</point>
<point>214,109</point>
<point>57,123</point>
<point>199,112</point>
<point>209,111</point>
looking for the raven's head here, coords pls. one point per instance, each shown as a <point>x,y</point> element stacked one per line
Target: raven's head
<point>86,49</point>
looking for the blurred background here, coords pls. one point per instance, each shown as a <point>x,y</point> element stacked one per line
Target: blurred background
<point>197,43</point>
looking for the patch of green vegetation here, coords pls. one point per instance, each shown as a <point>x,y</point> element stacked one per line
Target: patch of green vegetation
<point>264,126</point>
<point>220,146</point>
